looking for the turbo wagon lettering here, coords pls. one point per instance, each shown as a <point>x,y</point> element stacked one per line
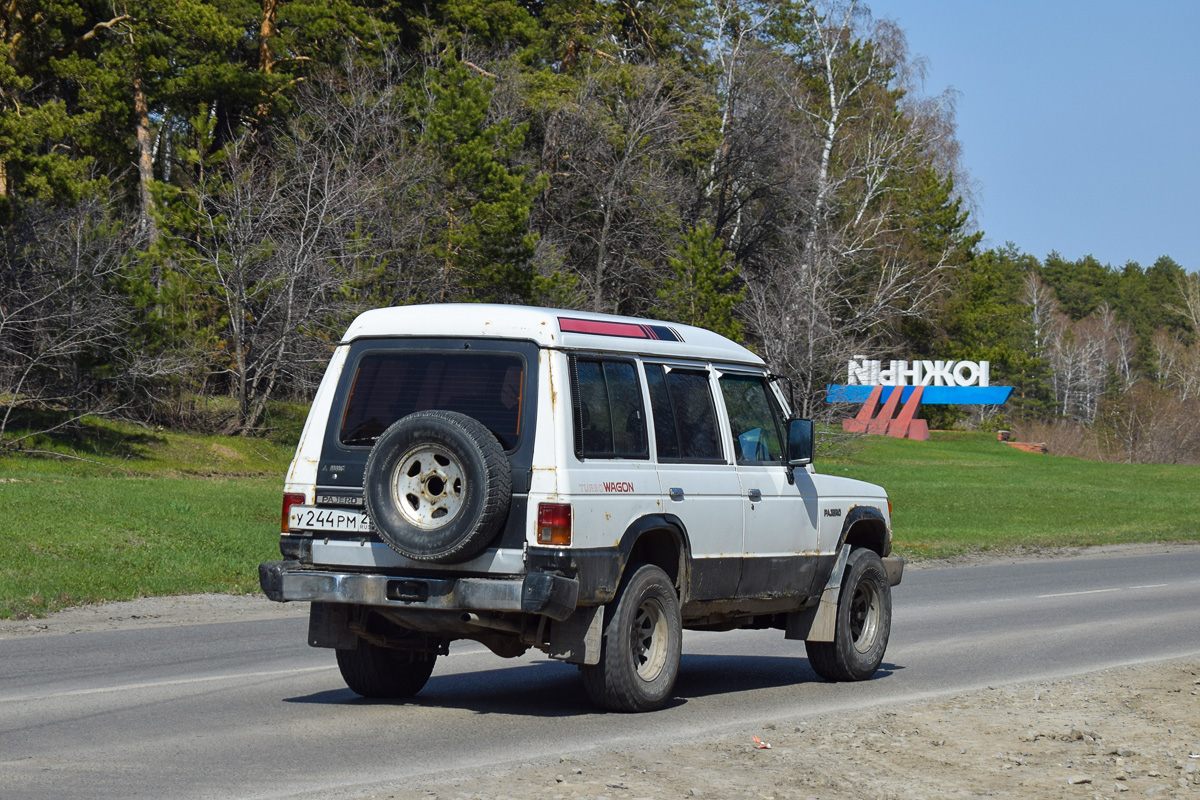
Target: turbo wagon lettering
<point>583,484</point>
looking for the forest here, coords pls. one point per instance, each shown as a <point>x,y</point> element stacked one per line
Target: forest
<point>196,197</point>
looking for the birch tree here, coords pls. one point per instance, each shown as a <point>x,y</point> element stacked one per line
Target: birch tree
<point>845,270</point>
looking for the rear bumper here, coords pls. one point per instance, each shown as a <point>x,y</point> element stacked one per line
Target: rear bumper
<point>535,593</point>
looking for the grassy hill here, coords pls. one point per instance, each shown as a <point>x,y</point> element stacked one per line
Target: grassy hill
<point>130,512</point>
<point>150,513</point>
<point>966,491</point>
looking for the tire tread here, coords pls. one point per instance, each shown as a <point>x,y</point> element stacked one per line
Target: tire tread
<point>611,684</point>
<point>373,671</point>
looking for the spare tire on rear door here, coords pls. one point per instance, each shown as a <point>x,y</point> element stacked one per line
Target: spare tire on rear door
<point>437,486</point>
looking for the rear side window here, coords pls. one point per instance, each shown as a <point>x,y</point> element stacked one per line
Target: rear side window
<point>607,406</point>
<point>391,385</point>
<point>685,421</point>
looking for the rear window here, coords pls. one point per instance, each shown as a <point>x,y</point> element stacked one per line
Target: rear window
<point>607,408</point>
<point>391,385</point>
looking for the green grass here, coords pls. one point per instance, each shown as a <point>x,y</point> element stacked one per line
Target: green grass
<point>158,513</point>
<point>962,492</point>
<point>82,539</point>
<point>102,446</point>
<point>131,513</point>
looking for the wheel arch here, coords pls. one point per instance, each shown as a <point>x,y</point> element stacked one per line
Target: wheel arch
<point>659,539</point>
<point>866,526</point>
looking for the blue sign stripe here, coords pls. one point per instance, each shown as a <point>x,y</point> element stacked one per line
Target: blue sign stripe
<point>932,396</point>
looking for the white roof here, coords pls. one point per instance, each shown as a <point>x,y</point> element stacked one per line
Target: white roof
<point>550,327</point>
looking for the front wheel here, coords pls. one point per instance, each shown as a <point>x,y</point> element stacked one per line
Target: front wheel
<point>374,671</point>
<point>864,621</point>
<point>639,657</point>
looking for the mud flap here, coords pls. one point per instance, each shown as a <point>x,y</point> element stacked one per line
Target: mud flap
<point>329,626</point>
<point>576,639</point>
<point>817,623</point>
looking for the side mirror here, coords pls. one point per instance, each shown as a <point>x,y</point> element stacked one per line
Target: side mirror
<point>800,442</point>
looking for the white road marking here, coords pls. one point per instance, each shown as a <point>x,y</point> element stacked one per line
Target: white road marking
<point>1102,591</point>
<point>155,684</point>
<point>1072,594</point>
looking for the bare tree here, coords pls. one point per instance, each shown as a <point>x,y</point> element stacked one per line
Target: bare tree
<point>1043,306</point>
<point>59,307</point>
<point>1085,357</point>
<point>1189,291</point>
<point>615,183</point>
<point>304,226</point>
<point>1177,366</point>
<point>271,246</point>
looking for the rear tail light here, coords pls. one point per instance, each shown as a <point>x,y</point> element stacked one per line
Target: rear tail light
<point>554,523</point>
<point>289,500</point>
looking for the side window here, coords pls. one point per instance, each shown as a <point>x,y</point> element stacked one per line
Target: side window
<point>607,407</point>
<point>685,421</point>
<point>754,419</point>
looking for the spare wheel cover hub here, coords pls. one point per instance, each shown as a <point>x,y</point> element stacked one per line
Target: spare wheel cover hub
<point>428,486</point>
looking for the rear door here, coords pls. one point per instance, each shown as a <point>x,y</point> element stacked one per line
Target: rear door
<point>698,481</point>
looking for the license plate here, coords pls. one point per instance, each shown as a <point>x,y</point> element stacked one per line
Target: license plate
<point>308,518</point>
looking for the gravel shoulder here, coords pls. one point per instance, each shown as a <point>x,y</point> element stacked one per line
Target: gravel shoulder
<point>1126,732</point>
<point>154,612</point>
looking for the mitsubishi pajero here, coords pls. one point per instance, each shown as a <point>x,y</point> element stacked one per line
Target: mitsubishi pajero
<point>584,484</point>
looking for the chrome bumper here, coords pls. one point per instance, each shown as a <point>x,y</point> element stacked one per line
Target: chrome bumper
<point>536,593</point>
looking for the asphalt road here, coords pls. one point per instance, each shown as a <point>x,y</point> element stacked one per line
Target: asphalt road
<point>244,710</point>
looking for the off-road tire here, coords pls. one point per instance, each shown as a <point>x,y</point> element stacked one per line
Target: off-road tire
<point>643,637</point>
<point>437,486</point>
<point>374,671</point>
<point>864,622</point>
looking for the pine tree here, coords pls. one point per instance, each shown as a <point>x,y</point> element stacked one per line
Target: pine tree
<point>700,292</point>
<point>487,245</point>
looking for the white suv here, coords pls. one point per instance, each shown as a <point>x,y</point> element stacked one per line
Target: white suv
<point>589,485</point>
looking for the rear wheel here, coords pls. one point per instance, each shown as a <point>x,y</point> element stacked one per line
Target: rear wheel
<point>643,637</point>
<point>374,671</point>
<point>864,622</point>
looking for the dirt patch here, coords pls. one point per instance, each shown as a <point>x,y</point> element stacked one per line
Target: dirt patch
<point>227,452</point>
<point>1128,732</point>
<point>154,612</point>
<point>1017,555</point>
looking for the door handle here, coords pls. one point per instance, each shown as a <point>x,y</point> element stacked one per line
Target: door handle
<point>676,493</point>
<point>754,494</point>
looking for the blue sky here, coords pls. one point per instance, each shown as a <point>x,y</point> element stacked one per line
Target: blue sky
<point>1080,121</point>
